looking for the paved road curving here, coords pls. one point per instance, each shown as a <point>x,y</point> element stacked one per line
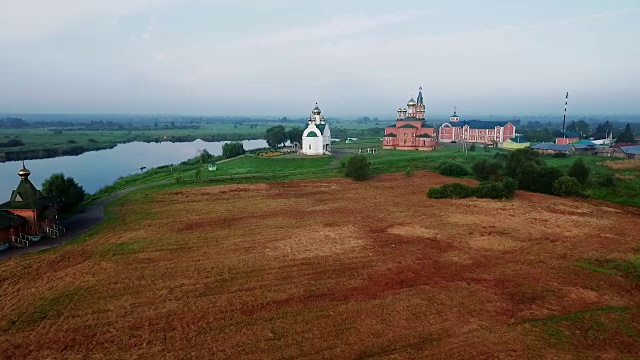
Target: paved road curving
<point>76,225</point>
<point>80,223</point>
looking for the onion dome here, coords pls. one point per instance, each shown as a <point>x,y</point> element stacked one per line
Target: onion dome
<point>412,102</point>
<point>24,172</point>
<point>316,110</point>
<point>399,109</point>
<point>404,110</point>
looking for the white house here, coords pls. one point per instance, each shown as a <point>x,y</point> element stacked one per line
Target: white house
<point>316,138</point>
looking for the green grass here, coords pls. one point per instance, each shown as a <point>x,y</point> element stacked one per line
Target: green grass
<point>49,307</point>
<point>629,269</point>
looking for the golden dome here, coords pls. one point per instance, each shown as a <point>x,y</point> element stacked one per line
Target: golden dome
<point>24,172</point>
<point>316,110</point>
<point>412,102</point>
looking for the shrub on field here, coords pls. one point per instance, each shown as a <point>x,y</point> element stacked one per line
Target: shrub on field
<point>567,186</point>
<point>453,169</point>
<point>358,168</point>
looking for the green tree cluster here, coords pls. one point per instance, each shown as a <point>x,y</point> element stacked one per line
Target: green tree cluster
<point>205,156</point>
<point>358,168</point>
<point>295,135</point>
<point>504,189</point>
<point>275,136</point>
<point>64,188</point>
<point>232,149</point>
<point>626,136</point>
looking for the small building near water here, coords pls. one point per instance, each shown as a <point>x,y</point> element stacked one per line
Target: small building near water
<point>28,215</point>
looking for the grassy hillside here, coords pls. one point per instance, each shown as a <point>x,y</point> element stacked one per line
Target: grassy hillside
<point>332,269</point>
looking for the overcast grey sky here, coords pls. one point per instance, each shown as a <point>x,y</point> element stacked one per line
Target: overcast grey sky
<point>250,57</point>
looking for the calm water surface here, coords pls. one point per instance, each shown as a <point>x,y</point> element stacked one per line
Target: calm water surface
<point>96,169</point>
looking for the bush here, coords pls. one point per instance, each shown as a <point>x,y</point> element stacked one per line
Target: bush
<point>567,186</point>
<point>71,141</point>
<point>358,168</point>
<point>451,191</point>
<point>92,140</point>
<point>537,178</point>
<point>580,171</point>
<point>607,180</point>
<point>408,172</point>
<point>472,147</point>
<point>560,155</point>
<point>64,188</point>
<point>486,169</point>
<point>504,189</point>
<point>453,169</point>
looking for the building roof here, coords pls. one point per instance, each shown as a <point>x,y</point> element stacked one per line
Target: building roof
<point>424,136</point>
<point>391,135</point>
<point>584,142</point>
<point>407,126</point>
<point>570,135</point>
<point>553,146</point>
<point>477,124</point>
<point>26,196</point>
<point>632,150</point>
<point>8,219</point>
<point>321,127</point>
<point>622,144</point>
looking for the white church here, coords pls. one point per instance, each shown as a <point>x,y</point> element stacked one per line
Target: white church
<point>316,138</point>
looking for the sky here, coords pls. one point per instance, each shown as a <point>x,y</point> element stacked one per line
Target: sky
<point>278,57</point>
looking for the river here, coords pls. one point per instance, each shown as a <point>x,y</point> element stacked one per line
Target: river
<point>96,169</point>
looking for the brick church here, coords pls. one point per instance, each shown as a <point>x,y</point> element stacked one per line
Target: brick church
<point>410,132</point>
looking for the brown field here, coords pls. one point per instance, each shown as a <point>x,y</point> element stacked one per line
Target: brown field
<point>330,269</point>
<point>623,164</point>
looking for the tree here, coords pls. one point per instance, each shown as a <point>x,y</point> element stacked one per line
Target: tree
<point>626,136</point>
<point>275,136</point>
<point>205,156</point>
<point>64,188</point>
<point>580,171</point>
<point>358,168</point>
<point>232,149</point>
<point>581,127</point>
<point>567,186</point>
<point>295,135</point>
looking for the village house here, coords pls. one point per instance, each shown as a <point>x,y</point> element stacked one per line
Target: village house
<point>631,152</point>
<point>553,148</point>
<point>567,138</point>
<point>28,215</point>
<point>410,132</point>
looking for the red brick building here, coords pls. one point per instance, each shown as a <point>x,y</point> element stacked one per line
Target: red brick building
<point>475,131</point>
<point>410,132</point>
<point>569,138</point>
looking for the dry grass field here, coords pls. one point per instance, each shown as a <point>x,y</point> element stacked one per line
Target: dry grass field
<point>332,269</point>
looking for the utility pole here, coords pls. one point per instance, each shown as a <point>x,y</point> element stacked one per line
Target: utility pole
<point>564,119</point>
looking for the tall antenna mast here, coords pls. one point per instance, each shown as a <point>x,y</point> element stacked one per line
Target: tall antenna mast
<point>564,119</point>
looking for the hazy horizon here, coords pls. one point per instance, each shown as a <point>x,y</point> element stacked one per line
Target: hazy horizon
<point>250,58</point>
